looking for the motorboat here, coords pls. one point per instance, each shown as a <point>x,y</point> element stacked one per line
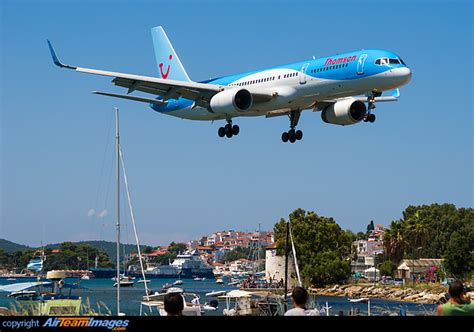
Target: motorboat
<point>191,307</point>
<point>219,281</point>
<point>244,303</point>
<point>39,302</point>
<point>359,300</point>
<point>178,282</point>
<point>125,281</point>
<point>215,293</point>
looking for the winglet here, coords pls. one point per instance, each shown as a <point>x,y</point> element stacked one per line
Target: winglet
<point>55,58</point>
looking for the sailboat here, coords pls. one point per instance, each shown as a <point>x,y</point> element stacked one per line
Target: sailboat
<point>123,280</point>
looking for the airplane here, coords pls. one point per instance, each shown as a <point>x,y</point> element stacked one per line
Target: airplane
<point>338,86</point>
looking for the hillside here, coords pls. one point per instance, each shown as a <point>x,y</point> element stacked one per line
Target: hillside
<point>10,247</point>
<point>107,246</point>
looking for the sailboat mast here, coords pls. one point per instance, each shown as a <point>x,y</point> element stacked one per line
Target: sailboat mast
<point>117,146</point>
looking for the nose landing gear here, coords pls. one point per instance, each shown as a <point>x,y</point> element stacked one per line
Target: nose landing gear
<point>371,105</point>
<point>293,135</point>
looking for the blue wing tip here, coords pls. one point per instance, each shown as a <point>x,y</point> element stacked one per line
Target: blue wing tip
<point>55,57</point>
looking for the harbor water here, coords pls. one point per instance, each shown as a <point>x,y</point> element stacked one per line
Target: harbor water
<point>101,296</point>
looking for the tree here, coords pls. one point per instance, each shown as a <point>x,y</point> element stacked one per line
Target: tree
<point>147,250</point>
<point>387,268</point>
<point>370,226</point>
<point>176,248</point>
<point>459,257</point>
<point>438,231</point>
<point>319,243</point>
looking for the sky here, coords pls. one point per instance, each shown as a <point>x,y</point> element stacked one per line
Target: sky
<point>57,139</point>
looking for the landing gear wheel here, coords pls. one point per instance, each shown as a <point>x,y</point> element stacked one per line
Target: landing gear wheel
<point>292,135</point>
<point>284,137</point>
<point>299,135</point>
<point>371,118</point>
<point>235,130</point>
<point>221,132</point>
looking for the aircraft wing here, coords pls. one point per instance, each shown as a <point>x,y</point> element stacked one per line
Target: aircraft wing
<point>201,93</point>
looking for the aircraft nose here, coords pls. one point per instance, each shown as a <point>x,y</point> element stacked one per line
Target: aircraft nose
<point>402,74</point>
<point>406,73</point>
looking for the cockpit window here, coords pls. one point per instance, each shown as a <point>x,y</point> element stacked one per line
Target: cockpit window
<point>403,63</point>
<point>381,61</point>
<point>386,61</point>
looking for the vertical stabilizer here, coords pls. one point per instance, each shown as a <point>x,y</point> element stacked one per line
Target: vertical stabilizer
<point>169,65</point>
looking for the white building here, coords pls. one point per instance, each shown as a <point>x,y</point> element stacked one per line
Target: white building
<point>275,267</point>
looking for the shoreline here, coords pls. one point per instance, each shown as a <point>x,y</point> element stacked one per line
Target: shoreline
<point>395,293</point>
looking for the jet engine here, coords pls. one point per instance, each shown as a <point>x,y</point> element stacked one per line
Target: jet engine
<point>344,112</point>
<point>231,101</point>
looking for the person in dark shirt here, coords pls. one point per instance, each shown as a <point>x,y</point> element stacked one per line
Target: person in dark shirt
<point>174,304</point>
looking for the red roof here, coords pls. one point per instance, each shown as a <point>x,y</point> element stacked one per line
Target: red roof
<point>271,246</point>
<point>204,248</point>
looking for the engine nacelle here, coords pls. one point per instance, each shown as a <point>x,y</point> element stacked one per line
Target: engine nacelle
<point>231,101</point>
<point>344,112</point>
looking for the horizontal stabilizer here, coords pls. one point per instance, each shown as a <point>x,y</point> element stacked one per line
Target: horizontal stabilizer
<point>140,99</point>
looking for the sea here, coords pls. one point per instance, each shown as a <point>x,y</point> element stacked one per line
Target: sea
<point>100,296</point>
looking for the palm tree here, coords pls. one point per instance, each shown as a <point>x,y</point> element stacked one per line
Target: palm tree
<point>394,241</point>
<point>417,230</point>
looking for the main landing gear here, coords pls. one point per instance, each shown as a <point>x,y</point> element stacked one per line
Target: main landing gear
<point>293,135</point>
<point>228,130</point>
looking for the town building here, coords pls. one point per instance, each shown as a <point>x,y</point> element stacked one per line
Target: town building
<point>414,269</point>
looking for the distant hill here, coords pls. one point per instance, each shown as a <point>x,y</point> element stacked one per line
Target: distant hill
<point>10,247</point>
<point>107,246</point>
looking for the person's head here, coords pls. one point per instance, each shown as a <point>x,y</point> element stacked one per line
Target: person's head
<point>299,296</point>
<point>456,290</point>
<point>174,304</point>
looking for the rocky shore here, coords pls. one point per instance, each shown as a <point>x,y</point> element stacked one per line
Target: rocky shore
<point>383,292</point>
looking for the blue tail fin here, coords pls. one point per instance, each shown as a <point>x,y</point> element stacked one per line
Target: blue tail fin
<point>169,65</point>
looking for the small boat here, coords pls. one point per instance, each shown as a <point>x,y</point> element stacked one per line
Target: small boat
<point>199,279</point>
<point>178,282</point>
<point>215,293</point>
<point>359,300</point>
<point>219,281</point>
<point>85,277</point>
<point>234,283</point>
<point>124,281</point>
<point>11,279</point>
<point>141,281</point>
<point>166,286</point>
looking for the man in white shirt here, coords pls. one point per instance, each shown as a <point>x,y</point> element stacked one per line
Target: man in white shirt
<point>299,297</point>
